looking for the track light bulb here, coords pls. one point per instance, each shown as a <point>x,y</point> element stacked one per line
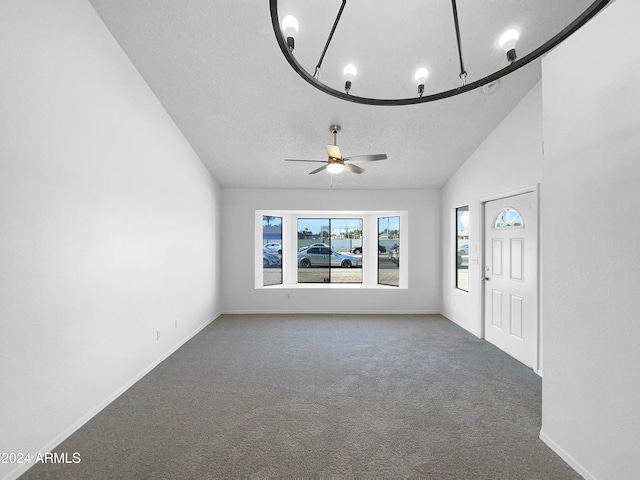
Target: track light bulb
<point>508,44</point>
<point>349,73</point>
<point>420,78</point>
<point>290,28</point>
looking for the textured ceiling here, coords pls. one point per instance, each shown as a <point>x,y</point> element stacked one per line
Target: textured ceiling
<point>218,71</point>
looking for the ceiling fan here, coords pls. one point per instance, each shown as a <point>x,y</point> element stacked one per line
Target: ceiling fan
<point>336,163</point>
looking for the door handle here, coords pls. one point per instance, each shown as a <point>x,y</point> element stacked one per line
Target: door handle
<point>486,278</point>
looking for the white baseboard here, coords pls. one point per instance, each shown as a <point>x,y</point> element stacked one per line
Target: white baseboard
<point>460,324</point>
<point>572,462</point>
<point>66,433</point>
<point>336,312</point>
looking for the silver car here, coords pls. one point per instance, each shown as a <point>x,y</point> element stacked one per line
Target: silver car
<point>394,254</point>
<point>313,245</point>
<point>270,259</point>
<point>324,256</point>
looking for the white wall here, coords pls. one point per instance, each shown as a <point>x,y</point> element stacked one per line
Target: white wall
<point>591,384</point>
<point>238,228</point>
<point>108,224</point>
<point>509,159</point>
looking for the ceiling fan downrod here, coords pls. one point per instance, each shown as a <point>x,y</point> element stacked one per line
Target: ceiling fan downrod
<point>334,129</point>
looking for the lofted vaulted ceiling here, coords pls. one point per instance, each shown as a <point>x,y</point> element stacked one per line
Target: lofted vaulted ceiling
<point>217,69</point>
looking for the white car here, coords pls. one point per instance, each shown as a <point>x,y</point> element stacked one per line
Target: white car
<point>273,247</point>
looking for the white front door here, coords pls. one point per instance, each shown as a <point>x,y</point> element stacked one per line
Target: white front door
<point>511,276</point>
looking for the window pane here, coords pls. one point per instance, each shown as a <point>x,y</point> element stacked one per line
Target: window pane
<point>462,248</point>
<point>313,264</point>
<point>389,251</point>
<point>346,265</point>
<point>271,250</point>
<point>324,250</point>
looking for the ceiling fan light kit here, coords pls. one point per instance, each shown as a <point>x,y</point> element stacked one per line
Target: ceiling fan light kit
<point>335,166</point>
<point>284,35</point>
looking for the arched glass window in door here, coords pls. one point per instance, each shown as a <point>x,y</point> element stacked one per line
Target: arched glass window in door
<point>508,218</point>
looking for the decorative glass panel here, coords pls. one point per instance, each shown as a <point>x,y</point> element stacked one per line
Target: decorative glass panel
<point>508,218</point>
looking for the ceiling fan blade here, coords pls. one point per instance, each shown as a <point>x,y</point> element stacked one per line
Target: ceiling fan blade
<point>353,168</point>
<point>367,158</point>
<point>297,160</point>
<point>318,169</point>
<point>334,151</point>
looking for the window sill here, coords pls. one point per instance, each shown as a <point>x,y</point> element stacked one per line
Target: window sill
<point>347,286</point>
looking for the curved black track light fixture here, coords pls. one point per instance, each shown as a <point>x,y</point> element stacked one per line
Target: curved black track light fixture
<point>508,42</point>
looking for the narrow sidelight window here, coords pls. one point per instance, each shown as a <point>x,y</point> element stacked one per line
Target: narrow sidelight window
<point>462,248</point>
<point>271,250</point>
<point>389,251</point>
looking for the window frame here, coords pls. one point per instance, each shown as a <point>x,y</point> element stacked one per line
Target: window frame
<point>330,249</point>
<point>370,244</point>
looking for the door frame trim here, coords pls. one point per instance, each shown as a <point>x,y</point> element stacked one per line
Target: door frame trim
<point>535,189</point>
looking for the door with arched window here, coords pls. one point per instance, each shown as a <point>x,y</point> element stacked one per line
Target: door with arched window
<point>511,276</point>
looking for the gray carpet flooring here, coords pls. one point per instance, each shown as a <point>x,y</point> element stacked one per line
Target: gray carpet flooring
<point>338,396</point>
